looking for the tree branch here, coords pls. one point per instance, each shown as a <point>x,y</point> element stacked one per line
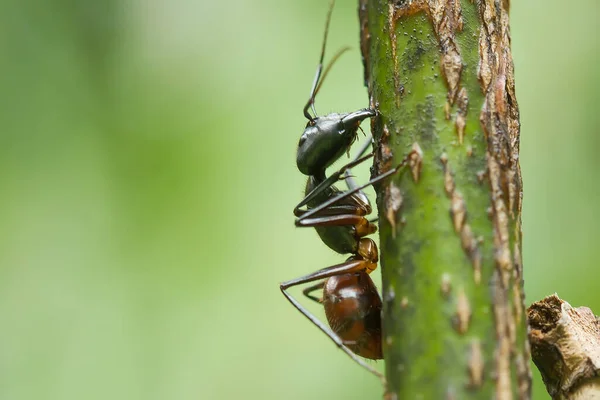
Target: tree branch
<point>440,73</point>
<point>565,344</point>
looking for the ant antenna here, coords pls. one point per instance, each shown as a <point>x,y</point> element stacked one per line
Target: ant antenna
<point>311,99</point>
<point>333,60</point>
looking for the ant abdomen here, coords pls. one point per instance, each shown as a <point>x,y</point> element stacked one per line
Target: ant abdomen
<point>353,309</point>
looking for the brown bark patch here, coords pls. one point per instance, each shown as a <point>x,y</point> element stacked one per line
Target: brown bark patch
<point>462,317</point>
<point>415,161</point>
<point>446,285</point>
<point>500,121</point>
<point>458,213</point>
<point>461,114</point>
<point>393,203</point>
<point>475,364</point>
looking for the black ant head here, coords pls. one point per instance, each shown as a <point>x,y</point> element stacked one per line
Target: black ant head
<point>326,138</point>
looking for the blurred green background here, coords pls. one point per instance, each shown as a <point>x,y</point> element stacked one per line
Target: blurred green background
<point>147,167</point>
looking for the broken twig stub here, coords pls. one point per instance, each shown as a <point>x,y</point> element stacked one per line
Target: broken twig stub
<point>565,346</point>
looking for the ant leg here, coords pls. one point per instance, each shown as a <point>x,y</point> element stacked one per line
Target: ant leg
<point>350,183</point>
<point>307,291</point>
<point>344,268</point>
<point>361,151</point>
<point>331,220</point>
<point>336,210</point>
<point>333,178</point>
<point>362,226</point>
<point>336,339</point>
<point>345,194</point>
<point>329,181</point>
<point>347,267</point>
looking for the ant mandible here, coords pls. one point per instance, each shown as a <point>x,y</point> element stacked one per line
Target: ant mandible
<point>350,298</point>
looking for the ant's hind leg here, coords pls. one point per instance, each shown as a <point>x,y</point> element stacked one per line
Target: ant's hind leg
<point>344,268</point>
<point>307,291</point>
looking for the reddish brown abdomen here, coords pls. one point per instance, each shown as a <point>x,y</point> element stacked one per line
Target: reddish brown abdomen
<point>353,310</point>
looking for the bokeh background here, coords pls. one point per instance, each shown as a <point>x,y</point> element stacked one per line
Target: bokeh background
<point>147,175</point>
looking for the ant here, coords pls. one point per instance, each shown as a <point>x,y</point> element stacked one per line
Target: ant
<point>350,298</point>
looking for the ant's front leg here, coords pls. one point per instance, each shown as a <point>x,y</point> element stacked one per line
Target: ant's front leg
<point>327,183</point>
<point>348,177</point>
<point>343,195</point>
<point>346,172</point>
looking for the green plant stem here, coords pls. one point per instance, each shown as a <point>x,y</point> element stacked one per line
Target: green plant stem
<point>441,75</point>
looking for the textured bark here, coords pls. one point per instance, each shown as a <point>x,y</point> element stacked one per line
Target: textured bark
<point>440,73</point>
<point>565,344</point>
